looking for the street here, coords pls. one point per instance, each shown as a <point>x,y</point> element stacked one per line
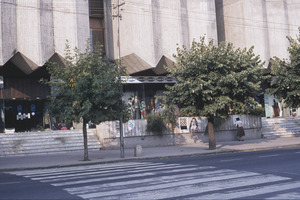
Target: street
<point>269,174</point>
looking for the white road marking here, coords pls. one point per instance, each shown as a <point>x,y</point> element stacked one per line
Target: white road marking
<point>155,180</point>
<point>182,188</point>
<point>266,156</point>
<point>160,180</point>
<point>253,192</point>
<point>56,171</point>
<point>9,183</point>
<point>91,180</point>
<point>230,160</point>
<point>115,172</point>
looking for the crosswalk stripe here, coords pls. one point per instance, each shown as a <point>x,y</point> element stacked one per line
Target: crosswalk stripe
<point>107,172</point>
<point>289,195</point>
<point>122,176</point>
<point>160,179</point>
<point>189,188</point>
<point>56,171</point>
<point>146,180</point>
<point>253,192</point>
<point>141,190</point>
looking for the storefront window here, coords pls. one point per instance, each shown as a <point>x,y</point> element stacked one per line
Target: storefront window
<point>143,99</point>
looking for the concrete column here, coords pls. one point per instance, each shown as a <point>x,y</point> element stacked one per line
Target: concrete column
<point>8,30</point>
<point>28,29</point>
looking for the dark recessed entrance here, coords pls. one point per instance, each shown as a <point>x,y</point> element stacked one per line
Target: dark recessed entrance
<point>24,115</point>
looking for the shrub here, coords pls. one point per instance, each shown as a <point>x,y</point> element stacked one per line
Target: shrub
<point>155,124</point>
<point>259,111</point>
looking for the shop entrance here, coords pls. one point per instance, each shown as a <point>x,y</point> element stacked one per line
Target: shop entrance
<point>24,115</point>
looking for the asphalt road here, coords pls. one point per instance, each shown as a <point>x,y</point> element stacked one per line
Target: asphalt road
<point>271,174</point>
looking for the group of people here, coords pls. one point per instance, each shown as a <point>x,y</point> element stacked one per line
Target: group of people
<point>139,110</point>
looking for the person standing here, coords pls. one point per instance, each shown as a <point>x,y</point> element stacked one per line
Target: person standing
<point>240,129</point>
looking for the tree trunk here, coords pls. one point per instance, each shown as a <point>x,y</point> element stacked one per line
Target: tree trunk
<point>211,133</point>
<point>85,141</point>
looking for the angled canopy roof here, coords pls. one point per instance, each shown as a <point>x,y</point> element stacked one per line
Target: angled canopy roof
<point>23,63</point>
<point>138,67</point>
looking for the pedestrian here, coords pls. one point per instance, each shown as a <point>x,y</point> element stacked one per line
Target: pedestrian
<point>240,129</point>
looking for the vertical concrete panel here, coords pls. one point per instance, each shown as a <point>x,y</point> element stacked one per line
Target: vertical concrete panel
<point>65,24</point>
<point>8,30</point>
<point>278,28</point>
<point>46,31</point>
<point>83,27</point>
<point>136,30</point>
<point>173,27</point>
<point>152,28</point>
<point>185,29</point>
<point>220,20</point>
<point>109,39</point>
<point>234,22</point>
<point>293,9</point>
<point>202,19</point>
<point>256,28</point>
<point>157,29</point>
<point>28,29</point>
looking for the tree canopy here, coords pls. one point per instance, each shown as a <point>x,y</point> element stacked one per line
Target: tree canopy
<point>214,80</point>
<point>285,84</point>
<point>86,88</point>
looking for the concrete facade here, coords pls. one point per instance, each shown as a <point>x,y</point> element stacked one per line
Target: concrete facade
<point>149,29</point>
<point>263,24</point>
<point>152,29</point>
<point>39,29</point>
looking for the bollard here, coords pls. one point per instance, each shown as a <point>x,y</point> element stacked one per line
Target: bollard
<point>138,151</point>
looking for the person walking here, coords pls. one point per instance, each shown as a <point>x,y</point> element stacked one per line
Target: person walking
<point>240,129</point>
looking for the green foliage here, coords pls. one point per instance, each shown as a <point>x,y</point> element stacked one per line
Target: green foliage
<point>286,83</point>
<point>155,124</point>
<point>214,81</point>
<point>259,111</point>
<point>87,87</point>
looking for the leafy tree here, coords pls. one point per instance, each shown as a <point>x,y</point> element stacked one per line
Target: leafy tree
<point>86,88</point>
<point>214,81</point>
<point>286,83</point>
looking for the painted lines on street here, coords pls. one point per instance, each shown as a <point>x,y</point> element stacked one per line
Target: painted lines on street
<point>235,194</point>
<point>231,160</point>
<point>9,183</point>
<point>146,180</point>
<point>267,156</point>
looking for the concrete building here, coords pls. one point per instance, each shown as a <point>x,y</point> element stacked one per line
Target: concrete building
<point>263,24</point>
<point>144,34</point>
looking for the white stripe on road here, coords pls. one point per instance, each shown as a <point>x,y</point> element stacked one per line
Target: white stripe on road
<point>230,160</point>
<point>252,192</point>
<point>266,156</point>
<point>9,183</point>
<point>70,170</point>
<point>153,180</point>
<point>124,176</point>
<point>182,188</point>
<point>108,172</point>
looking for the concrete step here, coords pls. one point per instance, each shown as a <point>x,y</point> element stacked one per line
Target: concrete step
<point>281,127</point>
<point>45,142</point>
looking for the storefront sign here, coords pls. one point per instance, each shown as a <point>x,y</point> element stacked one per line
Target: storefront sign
<point>147,79</point>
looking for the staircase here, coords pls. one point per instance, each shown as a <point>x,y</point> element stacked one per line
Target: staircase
<point>281,127</point>
<point>45,142</point>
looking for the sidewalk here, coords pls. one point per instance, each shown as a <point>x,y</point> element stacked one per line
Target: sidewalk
<point>10,163</point>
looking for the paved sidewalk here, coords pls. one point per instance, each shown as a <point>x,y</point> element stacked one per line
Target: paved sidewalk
<point>9,163</point>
